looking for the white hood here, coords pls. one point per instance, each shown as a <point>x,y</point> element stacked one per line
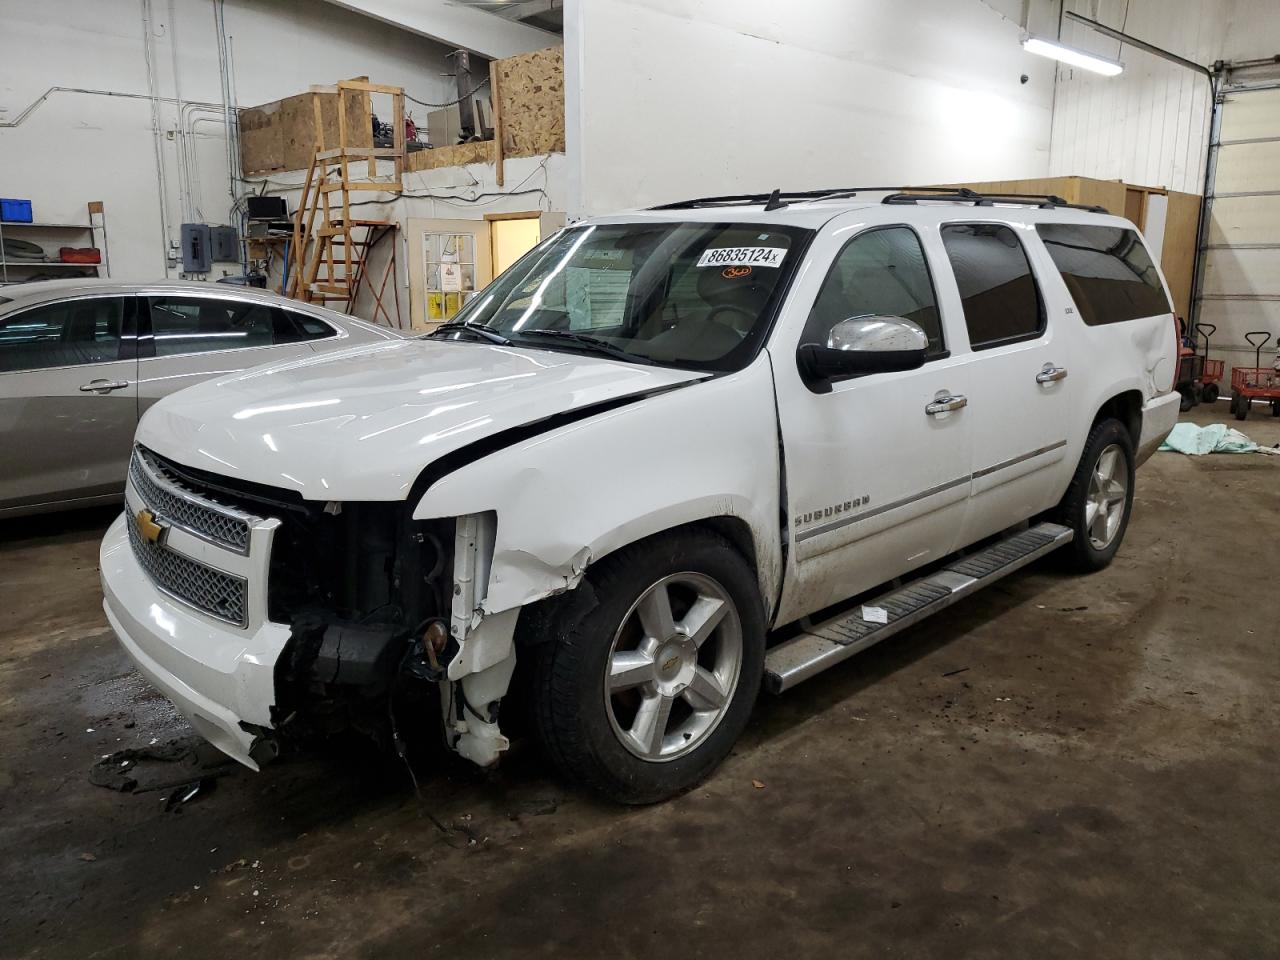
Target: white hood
<point>361,424</point>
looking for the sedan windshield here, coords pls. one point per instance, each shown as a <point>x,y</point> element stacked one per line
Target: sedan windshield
<point>698,295</point>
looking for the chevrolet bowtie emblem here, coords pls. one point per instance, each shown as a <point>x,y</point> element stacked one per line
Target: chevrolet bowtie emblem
<point>148,527</point>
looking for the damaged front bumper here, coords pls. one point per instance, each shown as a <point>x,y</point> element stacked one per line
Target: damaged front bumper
<point>219,678</point>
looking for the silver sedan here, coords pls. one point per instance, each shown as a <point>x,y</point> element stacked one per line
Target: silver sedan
<point>82,360</point>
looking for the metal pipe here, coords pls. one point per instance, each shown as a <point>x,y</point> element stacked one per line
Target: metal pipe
<point>220,27</point>
<point>1206,201</point>
<point>184,189</point>
<point>161,183</point>
<point>31,107</point>
<point>195,159</point>
<point>1151,48</point>
<point>196,114</point>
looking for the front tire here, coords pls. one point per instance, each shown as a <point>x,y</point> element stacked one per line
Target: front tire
<point>1240,406</point>
<point>1209,393</point>
<point>646,694</point>
<point>1100,498</point>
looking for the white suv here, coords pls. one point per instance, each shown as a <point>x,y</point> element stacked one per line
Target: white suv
<point>667,457</point>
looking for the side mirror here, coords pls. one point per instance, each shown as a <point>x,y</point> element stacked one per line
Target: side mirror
<point>861,345</point>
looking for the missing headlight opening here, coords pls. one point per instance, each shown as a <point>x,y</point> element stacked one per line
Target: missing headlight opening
<point>367,591</point>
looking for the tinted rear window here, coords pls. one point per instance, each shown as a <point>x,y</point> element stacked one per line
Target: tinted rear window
<point>999,293</point>
<point>1107,270</point>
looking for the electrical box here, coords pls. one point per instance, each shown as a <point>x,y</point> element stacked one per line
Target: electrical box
<point>226,244</point>
<point>196,248</point>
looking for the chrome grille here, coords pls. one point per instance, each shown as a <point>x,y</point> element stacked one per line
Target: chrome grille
<point>218,594</point>
<point>193,510</point>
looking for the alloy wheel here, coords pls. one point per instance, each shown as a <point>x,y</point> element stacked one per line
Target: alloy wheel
<point>1108,496</point>
<point>673,667</point>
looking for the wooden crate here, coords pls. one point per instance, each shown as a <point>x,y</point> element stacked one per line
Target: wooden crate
<point>283,135</point>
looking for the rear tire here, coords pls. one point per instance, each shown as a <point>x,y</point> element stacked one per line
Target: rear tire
<point>1240,406</point>
<point>1100,498</point>
<point>634,699</point>
<point>1188,400</point>
<point>1209,394</point>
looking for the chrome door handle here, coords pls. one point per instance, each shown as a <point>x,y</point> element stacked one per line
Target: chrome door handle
<point>1051,374</point>
<point>945,404</point>
<point>103,386</point>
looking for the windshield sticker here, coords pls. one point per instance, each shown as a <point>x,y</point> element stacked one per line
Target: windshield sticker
<point>733,273</point>
<point>746,256</point>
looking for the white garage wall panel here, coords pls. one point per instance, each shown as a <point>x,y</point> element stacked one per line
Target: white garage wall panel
<point>76,147</point>
<point>1241,289</point>
<point>669,99</point>
<point>1150,125</point>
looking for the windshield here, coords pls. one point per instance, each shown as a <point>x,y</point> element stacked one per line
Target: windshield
<point>698,295</point>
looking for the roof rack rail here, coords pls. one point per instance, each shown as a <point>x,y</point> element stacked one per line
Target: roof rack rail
<point>774,200</point>
<point>1045,201</point>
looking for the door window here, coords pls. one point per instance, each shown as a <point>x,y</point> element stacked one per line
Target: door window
<point>1002,303</point>
<point>184,325</point>
<point>1108,271</point>
<point>449,260</point>
<point>881,272</point>
<point>293,327</point>
<point>70,333</point>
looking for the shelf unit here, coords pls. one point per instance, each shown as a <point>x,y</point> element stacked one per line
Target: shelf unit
<point>56,235</point>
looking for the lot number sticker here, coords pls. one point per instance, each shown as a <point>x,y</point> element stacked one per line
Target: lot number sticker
<point>745,256</point>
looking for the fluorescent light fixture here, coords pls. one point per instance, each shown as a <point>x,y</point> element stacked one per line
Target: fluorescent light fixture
<point>1077,58</point>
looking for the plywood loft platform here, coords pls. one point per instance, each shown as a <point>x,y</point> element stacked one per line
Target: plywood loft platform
<point>526,94</point>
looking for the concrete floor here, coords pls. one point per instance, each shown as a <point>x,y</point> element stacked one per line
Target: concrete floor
<point>1059,767</point>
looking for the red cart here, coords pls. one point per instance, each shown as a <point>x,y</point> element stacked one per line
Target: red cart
<point>1198,376</point>
<point>1256,382</point>
<point>1211,373</point>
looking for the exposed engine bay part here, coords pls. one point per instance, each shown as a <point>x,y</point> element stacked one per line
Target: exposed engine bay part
<point>470,707</point>
<point>478,676</point>
<point>366,590</point>
<point>472,557</point>
<point>362,631</point>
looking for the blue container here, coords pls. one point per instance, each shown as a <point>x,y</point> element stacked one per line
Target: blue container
<point>15,211</point>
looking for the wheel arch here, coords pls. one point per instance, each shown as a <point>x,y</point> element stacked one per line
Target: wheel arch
<point>536,618</point>
<point>1126,407</point>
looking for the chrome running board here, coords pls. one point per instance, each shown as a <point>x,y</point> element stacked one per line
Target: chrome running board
<point>826,644</point>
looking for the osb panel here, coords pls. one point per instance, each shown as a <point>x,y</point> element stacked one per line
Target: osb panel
<point>531,101</point>
<point>261,143</point>
<point>359,122</point>
<point>455,156</point>
<point>1178,257</point>
<point>282,135</point>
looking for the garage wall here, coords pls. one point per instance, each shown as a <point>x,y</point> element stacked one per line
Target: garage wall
<point>669,99</point>
<point>1151,124</point>
<point>76,147</point>
<point>1241,289</point>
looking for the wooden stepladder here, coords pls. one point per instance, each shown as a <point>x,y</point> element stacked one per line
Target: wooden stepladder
<point>330,248</point>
